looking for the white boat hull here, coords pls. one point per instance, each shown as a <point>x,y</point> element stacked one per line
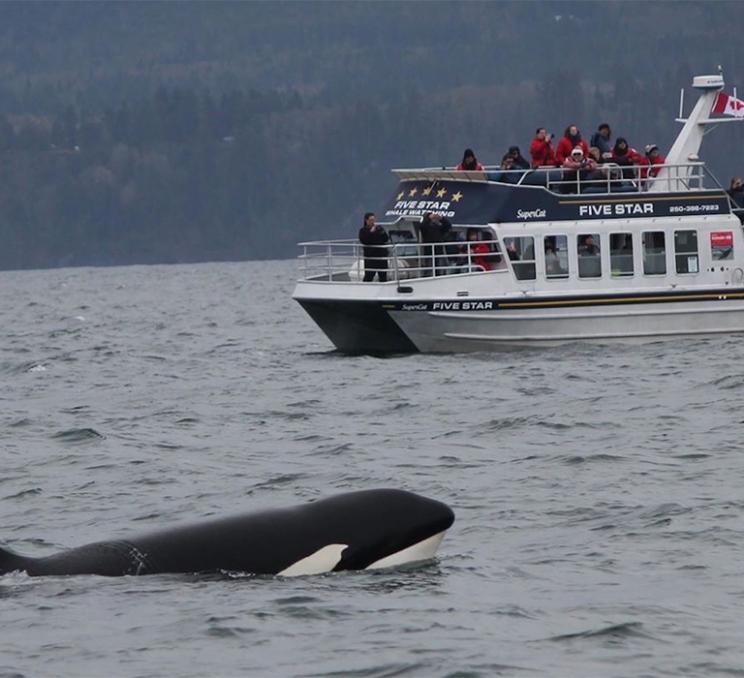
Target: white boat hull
<point>462,331</point>
<point>379,325</point>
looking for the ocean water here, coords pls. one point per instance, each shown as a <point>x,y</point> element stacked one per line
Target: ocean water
<point>598,490</point>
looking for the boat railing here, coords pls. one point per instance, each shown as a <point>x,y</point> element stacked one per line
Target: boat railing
<point>344,260</point>
<point>606,178</point>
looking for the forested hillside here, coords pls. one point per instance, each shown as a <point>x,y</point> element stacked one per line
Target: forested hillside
<point>163,132</point>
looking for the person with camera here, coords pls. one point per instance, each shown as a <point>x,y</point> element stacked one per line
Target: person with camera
<point>541,148</point>
<point>435,229</point>
<point>374,238</point>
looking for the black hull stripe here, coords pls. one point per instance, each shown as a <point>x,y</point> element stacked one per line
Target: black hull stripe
<point>606,301</point>
<point>468,304</point>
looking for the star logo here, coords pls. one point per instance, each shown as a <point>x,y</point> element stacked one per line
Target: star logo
<point>456,197</point>
<point>441,192</point>
<point>400,195</point>
<point>413,192</point>
<point>427,190</point>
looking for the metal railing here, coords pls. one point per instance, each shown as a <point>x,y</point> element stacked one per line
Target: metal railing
<point>606,178</point>
<point>614,178</point>
<point>344,260</point>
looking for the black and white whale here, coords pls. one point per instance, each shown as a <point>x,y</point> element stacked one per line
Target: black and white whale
<point>368,529</point>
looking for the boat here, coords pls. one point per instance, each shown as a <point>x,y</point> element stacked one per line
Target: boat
<point>631,253</point>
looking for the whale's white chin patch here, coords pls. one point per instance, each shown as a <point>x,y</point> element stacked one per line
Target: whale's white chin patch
<point>323,560</point>
<point>423,550</point>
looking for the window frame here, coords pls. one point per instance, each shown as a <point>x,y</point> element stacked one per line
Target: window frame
<point>623,274</point>
<point>587,257</point>
<point>557,276</point>
<point>643,253</point>
<point>520,264</point>
<point>686,255</point>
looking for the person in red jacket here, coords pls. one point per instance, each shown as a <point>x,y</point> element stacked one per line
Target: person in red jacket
<point>470,162</point>
<point>480,252</point>
<point>541,150</point>
<point>576,166</point>
<point>653,157</point>
<point>571,139</point>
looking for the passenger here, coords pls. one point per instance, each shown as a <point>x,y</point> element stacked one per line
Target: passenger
<point>519,161</point>
<point>576,166</point>
<point>541,150</point>
<point>601,139</point>
<point>507,162</point>
<point>480,253</point>
<point>374,237</point>
<point>511,249</point>
<point>434,229</point>
<point>596,177</point>
<point>626,157</point>
<point>589,248</point>
<point>736,191</point>
<point>570,140</point>
<point>552,263</point>
<point>653,157</point>
<point>470,162</point>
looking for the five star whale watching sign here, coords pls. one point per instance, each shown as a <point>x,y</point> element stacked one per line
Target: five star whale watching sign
<point>416,199</point>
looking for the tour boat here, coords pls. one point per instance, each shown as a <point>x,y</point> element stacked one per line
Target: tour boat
<point>619,255</point>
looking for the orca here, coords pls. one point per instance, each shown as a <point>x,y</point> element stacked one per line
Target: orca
<point>368,529</point>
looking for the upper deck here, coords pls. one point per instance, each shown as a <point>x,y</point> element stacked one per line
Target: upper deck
<point>551,194</point>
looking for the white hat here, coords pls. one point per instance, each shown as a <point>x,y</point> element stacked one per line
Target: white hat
<point>651,147</point>
<point>577,151</point>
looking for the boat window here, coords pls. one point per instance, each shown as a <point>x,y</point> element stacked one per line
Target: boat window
<point>654,253</point>
<point>621,253</point>
<point>587,248</point>
<point>521,251</point>
<point>556,256</point>
<point>721,245</point>
<point>686,251</point>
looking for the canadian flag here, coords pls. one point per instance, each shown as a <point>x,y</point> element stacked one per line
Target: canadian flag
<point>728,105</point>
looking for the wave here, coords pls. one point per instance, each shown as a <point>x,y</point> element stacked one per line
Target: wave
<point>78,435</point>
<point>613,632</point>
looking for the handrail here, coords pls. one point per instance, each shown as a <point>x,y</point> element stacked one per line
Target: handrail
<point>680,177</point>
<point>344,260</point>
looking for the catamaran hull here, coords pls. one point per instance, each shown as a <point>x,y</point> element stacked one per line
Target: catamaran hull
<point>358,327</point>
<point>377,327</point>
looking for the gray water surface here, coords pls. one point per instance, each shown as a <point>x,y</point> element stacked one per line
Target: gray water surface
<point>598,490</point>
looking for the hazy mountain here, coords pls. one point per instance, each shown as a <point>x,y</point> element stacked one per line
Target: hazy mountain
<point>146,131</point>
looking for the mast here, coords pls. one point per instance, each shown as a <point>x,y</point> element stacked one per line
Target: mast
<point>687,144</point>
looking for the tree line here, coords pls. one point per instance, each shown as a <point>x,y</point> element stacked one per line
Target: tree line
<point>186,175</point>
<point>161,132</point>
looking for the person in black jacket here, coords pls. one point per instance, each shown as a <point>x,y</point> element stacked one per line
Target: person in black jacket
<point>736,191</point>
<point>519,162</point>
<point>373,237</point>
<point>435,228</point>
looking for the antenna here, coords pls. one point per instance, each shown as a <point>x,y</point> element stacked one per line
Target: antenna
<point>681,100</point>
